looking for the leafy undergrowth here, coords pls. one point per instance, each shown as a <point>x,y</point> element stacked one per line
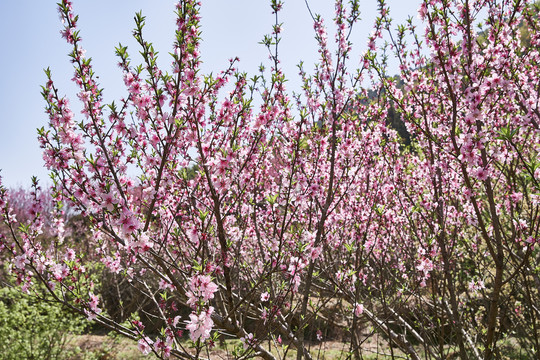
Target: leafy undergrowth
<point>35,328</point>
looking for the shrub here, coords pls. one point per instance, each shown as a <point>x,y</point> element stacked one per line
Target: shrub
<point>35,328</point>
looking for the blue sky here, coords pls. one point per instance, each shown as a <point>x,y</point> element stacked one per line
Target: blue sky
<point>29,34</point>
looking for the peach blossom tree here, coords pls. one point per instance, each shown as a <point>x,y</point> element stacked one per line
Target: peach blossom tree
<point>236,210</point>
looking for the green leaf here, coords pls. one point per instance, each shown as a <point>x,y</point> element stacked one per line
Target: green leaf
<point>272,199</point>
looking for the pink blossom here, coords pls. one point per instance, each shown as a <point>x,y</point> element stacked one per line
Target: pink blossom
<point>481,174</point>
<point>21,261</point>
<point>530,240</point>
<point>265,296</point>
<point>202,288</point>
<point>109,201</point>
<point>129,222</point>
<point>166,352</point>
<point>59,271</point>
<point>358,309</point>
<point>199,326</point>
<point>94,309</point>
<point>248,341</point>
<point>144,345</point>
<point>70,255</point>
<point>165,285</point>
<point>516,197</point>
<point>476,285</point>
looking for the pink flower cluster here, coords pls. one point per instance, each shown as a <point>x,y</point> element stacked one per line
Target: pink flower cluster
<point>200,325</point>
<point>201,290</point>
